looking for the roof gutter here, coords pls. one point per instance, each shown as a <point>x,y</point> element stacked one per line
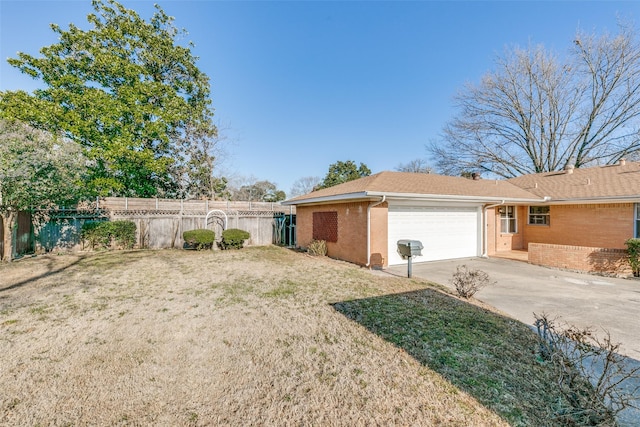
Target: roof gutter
<point>327,199</point>
<point>485,242</point>
<point>452,198</point>
<point>371,205</point>
<point>406,196</point>
<point>609,199</point>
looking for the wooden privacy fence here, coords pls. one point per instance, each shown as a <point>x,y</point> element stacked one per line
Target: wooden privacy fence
<point>161,222</point>
<point>22,237</point>
<point>186,207</point>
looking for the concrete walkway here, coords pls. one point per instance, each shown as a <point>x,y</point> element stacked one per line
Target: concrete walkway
<point>522,289</point>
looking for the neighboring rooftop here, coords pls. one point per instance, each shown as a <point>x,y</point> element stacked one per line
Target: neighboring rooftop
<point>611,181</point>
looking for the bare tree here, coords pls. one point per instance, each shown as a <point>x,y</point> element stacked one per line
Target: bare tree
<point>304,185</point>
<point>415,166</point>
<point>536,113</point>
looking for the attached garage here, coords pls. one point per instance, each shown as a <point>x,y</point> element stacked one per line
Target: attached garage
<point>372,213</point>
<point>446,232</point>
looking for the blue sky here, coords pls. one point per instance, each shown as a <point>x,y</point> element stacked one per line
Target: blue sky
<point>303,84</point>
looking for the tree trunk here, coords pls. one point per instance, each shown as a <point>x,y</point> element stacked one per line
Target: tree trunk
<point>8,221</point>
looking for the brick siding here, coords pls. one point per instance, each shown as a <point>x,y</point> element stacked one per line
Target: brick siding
<point>497,241</point>
<point>597,225</point>
<point>581,258</point>
<point>351,244</point>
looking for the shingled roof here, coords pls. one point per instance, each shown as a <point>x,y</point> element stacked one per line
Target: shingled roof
<point>600,182</point>
<point>419,185</point>
<point>620,181</point>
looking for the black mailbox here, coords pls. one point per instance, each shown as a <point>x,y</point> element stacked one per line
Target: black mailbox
<point>410,248</point>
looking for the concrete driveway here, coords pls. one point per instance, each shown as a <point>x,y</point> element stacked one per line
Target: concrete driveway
<point>522,289</point>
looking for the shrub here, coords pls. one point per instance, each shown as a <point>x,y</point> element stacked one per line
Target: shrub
<point>107,234</point>
<point>123,233</point>
<point>633,251</point>
<point>596,381</point>
<point>199,239</point>
<point>92,236</point>
<point>467,281</point>
<point>234,238</point>
<point>317,248</point>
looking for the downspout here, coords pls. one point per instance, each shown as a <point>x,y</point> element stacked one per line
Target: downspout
<point>381,201</point>
<point>485,242</point>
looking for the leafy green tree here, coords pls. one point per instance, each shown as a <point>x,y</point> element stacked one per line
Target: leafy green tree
<point>37,171</point>
<point>219,188</point>
<point>126,92</point>
<point>194,166</point>
<point>341,172</point>
<point>275,196</point>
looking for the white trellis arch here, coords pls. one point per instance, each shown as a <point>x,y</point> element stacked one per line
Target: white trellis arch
<point>206,219</point>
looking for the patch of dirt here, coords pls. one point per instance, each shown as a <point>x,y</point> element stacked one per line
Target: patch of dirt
<point>207,338</point>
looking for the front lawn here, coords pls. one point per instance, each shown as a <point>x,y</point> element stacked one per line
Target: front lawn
<point>260,336</point>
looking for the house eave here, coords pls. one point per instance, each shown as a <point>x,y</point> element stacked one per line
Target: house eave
<point>454,198</point>
<point>329,199</point>
<point>596,200</point>
<point>393,196</point>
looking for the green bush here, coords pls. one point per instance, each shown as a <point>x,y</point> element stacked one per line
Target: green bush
<point>92,236</point>
<point>121,234</point>
<point>233,238</point>
<point>633,250</point>
<point>199,239</point>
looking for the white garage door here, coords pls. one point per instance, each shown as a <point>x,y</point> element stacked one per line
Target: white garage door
<point>445,232</point>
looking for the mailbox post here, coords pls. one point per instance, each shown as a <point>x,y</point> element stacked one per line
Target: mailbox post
<point>408,249</point>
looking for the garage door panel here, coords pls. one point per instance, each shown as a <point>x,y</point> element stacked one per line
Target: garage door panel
<point>445,232</point>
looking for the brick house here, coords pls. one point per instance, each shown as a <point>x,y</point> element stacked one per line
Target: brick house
<point>577,219</point>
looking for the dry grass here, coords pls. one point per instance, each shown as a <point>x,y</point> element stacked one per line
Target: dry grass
<point>251,337</point>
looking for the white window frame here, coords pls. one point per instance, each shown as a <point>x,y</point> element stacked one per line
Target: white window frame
<point>539,218</point>
<point>509,216</point>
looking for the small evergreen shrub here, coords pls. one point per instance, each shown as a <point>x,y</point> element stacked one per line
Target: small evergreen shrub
<point>234,238</point>
<point>633,250</point>
<point>92,236</point>
<point>199,239</point>
<point>317,248</point>
<point>123,233</point>
<point>107,234</point>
